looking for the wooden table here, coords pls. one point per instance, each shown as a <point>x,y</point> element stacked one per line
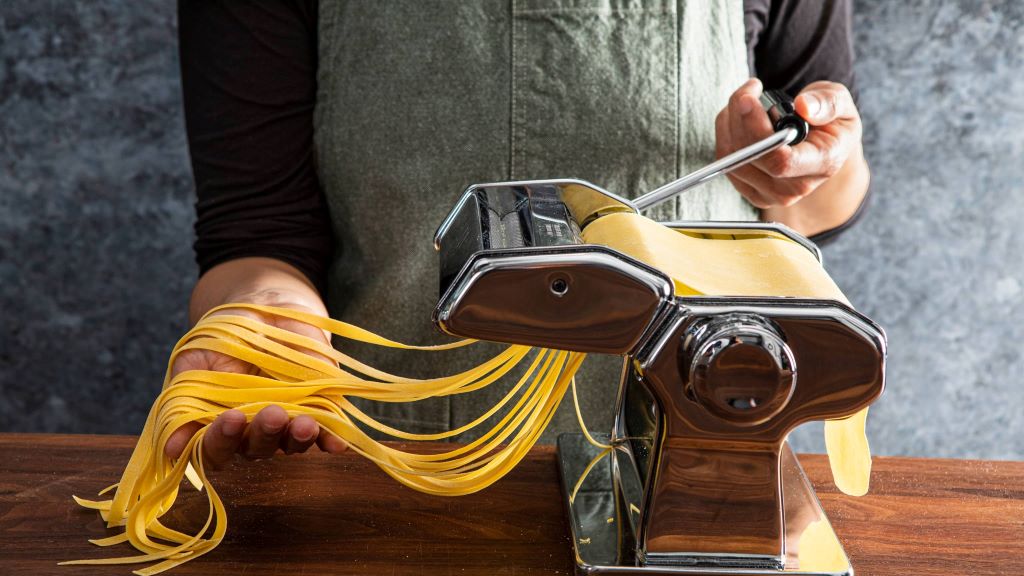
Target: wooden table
<point>318,514</point>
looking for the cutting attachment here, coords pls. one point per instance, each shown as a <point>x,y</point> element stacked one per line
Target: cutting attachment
<point>700,480</point>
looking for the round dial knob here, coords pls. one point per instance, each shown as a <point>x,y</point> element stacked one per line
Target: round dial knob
<point>740,369</point>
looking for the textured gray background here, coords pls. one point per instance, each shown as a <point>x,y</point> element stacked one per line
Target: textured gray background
<point>96,212</point>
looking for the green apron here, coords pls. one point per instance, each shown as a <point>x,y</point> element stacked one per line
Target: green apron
<point>418,99</point>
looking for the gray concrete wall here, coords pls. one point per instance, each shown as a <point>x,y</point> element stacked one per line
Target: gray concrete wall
<point>95,218</point>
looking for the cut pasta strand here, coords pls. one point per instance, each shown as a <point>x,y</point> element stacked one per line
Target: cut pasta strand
<point>293,374</point>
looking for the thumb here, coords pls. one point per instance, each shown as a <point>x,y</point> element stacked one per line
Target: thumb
<point>825,102</point>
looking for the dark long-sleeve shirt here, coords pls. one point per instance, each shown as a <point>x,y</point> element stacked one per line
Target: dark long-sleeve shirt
<point>249,79</point>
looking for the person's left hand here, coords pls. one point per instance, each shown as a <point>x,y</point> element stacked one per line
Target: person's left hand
<point>271,429</point>
<point>790,173</point>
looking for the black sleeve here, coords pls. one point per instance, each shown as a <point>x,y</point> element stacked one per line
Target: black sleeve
<point>791,43</point>
<point>249,80</point>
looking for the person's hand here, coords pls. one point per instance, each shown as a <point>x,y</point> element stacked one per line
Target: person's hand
<point>271,428</point>
<point>787,175</point>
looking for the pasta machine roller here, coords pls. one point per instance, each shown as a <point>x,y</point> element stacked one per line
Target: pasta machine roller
<point>700,480</point>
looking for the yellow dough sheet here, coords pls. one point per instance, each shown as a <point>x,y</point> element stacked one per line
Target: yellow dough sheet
<point>759,266</point>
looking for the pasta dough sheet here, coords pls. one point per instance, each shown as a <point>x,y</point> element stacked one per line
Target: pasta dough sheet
<point>760,266</point>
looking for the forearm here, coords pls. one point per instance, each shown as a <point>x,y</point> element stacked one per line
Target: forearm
<point>832,204</point>
<point>256,281</point>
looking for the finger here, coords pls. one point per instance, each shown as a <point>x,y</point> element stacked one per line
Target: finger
<point>223,438</point>
<point>822,154</point>
<point>730,131</point>
<point>751,124</point>
<point>748,121</point>
<point>722,136</point>
<point>791,161</point>
<point>822,103</point>
<point>778,191</point>
<point>330,443</point>
<point>755,197</point>
<point>302,432</point>
<point>739,101</point>
<point>724,146</point>
<point>179,439</point>
<point>263,437</point>
<point>748,124</point>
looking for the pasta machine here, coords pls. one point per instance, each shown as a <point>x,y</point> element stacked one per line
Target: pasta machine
<point>701,480</point>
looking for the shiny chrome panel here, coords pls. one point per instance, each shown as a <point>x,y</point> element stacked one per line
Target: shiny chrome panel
<point>496,193</point>
<point>602,536</point>
<point>545,213</point>
<point>514,215</point>
<point>716,486</point>
<point>739,368</point>
<point>550,190</point>
<point>582,298</point>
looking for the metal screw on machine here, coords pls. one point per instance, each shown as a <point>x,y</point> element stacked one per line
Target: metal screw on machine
<point>790,129</point>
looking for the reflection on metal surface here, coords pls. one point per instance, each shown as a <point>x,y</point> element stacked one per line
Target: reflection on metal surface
<point>587,298</point>
<point>717,488</point>
<point>699,479</point>
<point>572,196</point>
<point>595,503</point>
<point>603,543</point>
<point>739,368</point>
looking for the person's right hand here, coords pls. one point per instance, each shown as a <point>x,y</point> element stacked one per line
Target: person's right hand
<point>271,429</point>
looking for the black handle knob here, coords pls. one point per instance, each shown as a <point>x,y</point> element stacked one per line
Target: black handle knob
<point>782,113</point>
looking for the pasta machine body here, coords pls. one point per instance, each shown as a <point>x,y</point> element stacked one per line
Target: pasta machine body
<point>700,479</point>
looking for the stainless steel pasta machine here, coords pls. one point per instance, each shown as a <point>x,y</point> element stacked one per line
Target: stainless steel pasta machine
<point>700,480</point>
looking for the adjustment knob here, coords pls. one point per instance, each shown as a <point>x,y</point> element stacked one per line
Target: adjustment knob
<point>740,369</point>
